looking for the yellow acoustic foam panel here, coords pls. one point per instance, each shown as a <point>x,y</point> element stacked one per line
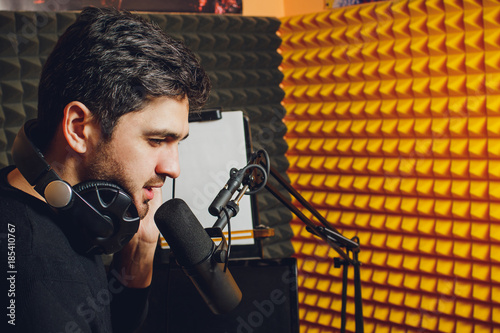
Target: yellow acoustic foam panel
<point>393,128</point>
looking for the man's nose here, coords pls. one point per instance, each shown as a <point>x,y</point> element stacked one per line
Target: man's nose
<point>168,163</point>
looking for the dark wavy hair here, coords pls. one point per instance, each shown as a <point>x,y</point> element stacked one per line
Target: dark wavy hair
<point>114,63</point>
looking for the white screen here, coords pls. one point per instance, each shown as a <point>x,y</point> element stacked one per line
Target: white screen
<point>206,157</point>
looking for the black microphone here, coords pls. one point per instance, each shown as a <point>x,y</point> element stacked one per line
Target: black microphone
<point>224,195</point>
<point>194,250</point>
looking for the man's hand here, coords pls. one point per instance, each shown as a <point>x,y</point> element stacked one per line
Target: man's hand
<point>136,258</point>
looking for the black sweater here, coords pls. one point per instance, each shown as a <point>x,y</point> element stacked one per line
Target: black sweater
<point>49,287</point>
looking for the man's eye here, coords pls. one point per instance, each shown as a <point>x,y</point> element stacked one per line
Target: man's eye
<point>156,141</point>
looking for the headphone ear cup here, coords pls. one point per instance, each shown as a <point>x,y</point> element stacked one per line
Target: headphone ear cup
<point>117,208</point>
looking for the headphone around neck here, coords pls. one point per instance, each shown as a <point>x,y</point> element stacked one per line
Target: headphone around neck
<point>97,217</point>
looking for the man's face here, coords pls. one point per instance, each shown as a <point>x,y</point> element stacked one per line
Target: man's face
<point>143,150</point>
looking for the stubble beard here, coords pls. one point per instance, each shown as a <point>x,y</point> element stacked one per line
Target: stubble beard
<point>104,166</point>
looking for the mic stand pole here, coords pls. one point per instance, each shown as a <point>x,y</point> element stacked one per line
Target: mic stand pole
<point>333,238</point>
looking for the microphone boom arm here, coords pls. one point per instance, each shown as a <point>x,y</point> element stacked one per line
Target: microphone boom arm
<point>333,238</point>
<point>333,234</point>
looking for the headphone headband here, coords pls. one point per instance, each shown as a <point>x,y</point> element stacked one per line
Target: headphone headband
<point>29,159</point>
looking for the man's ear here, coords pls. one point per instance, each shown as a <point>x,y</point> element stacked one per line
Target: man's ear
<point>78,126</point>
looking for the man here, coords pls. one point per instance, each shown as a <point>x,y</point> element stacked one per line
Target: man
<point>114,98</point>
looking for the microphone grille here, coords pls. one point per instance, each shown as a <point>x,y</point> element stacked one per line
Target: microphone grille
<point>185,235</point>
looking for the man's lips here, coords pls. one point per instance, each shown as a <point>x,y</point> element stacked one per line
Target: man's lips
<point>149,190</point>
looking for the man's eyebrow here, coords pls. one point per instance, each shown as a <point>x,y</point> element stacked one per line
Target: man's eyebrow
<point>165,134</point>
